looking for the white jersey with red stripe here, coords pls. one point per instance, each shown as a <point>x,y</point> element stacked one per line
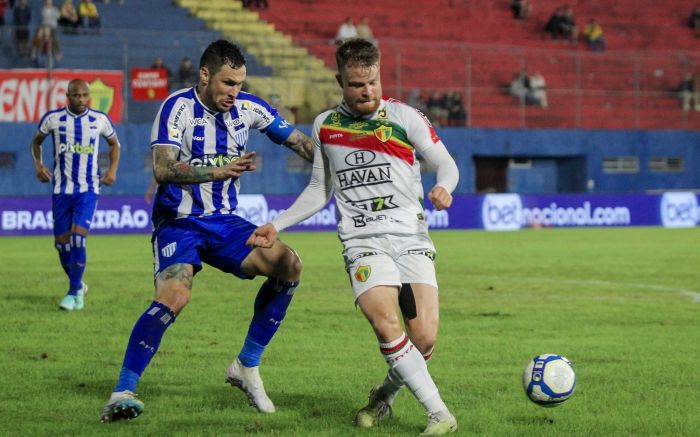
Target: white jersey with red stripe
<point>375,174</point>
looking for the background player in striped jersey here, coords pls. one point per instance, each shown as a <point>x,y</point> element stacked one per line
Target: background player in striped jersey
<point>366,154</point>
<point>199,147</point>
<point>75,131</point>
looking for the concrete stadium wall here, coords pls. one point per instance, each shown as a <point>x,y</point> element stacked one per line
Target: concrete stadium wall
<point>561,161</point>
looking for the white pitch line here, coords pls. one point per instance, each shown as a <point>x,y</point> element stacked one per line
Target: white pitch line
<point>694,295</point>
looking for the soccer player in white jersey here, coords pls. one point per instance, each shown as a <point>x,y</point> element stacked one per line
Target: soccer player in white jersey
<point>75,131</point>
<point>199,152</point>
<point>366,154</point>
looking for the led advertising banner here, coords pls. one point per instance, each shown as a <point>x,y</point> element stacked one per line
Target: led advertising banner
<point>492,212</point>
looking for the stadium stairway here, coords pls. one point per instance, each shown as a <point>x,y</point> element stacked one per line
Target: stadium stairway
<point>301,80</point>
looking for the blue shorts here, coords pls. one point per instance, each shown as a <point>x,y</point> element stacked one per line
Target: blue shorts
<point>215,240</point>
<point>73,209</point>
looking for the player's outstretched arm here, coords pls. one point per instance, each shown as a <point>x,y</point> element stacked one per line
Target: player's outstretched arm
<point>42,172</point>
<point>264,236</point>
<point>168,170</point>
<point>301,145</point>
<point>110,175</point>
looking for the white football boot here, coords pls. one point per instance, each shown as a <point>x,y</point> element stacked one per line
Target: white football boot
<point>248,379</point>
<point>122,405</point>
<point>440,423</point>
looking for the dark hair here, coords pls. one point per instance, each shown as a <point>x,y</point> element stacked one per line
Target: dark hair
<point>357,52</point>
<point>220,53</point>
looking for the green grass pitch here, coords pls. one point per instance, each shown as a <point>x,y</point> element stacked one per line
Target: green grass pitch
<point>622,304</point>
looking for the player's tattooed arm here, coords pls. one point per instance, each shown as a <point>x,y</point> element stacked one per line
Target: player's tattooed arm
<point>301,144</point>
<point>168,170</point>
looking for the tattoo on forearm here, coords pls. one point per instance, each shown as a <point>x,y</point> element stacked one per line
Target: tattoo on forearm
<point>168,170</point>
<point>301,145</point>
<point>179,272</point>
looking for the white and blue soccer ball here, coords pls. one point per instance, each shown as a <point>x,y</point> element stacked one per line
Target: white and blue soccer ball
<point>549,380</point>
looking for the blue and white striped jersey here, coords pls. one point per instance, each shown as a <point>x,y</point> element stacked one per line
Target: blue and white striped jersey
<point>76,142</point>
<point>205,138</point>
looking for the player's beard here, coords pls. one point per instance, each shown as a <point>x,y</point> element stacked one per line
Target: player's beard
<point>366,107</point>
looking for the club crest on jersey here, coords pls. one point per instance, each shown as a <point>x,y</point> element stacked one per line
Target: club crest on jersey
<point>362,273</point>
<point>383,133</point>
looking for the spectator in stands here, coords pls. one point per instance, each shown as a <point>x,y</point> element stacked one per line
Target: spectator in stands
<point>438,109</point>
<point>21,16</point>
<point>689,92</point>
<point>520,8</point>
<point>538,90</point>
<point>694,21</point>
<point>364,31</point>
<point>457,116</point>
<point>593,33</point>
<point>45,49</point>
<point>346,31</point>
<point>50,15</point>
<point>553,26</point>
<point>520,86</point>
<point>158,63</point>
<point>89,15</point>
<point>187,75</point>
<point>567,25</point>
<point>69,19</point>
<point>415,99</point>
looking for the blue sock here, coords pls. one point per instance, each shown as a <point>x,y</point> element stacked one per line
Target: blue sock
<point>143,344</point>
<point>78,259</point>
<point>64,255</point>
<point>270,307</point>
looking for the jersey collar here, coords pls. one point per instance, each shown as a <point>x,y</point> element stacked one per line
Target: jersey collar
<point>72,114</point>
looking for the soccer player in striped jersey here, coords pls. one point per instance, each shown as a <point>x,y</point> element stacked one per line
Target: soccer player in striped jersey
<point>76,176</point>
<point>199,153</point>
<point>366,154</point>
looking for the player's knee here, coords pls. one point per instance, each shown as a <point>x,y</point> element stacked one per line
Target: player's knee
<point>176,297</point>
<point>387,325</point>
<point>63,238</point>
<point>425,342</point>
<point>289,266</point>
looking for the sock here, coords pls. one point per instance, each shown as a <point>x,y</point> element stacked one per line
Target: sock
<point>408,364</point>
<point>76,265</point>
<point>271,305</point>
<point>64,255</point>
<point>392,383</point>
<point>143,344</point>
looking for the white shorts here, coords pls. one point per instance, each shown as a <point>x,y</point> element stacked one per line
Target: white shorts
<point>389,260</point>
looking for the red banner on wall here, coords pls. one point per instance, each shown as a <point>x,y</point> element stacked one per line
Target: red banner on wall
<point>149,83</point>
<point>26,94</point>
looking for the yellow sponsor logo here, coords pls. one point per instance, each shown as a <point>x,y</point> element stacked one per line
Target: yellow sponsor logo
<point>362,273</point>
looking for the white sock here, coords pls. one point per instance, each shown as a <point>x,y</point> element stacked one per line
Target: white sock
<point>409,365</point>
<point>392,383</point>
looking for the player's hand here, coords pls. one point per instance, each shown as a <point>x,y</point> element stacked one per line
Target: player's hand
<point>264,236</point>
<point>108,178</point>
<point>43,173</point>
<point>440,198</point>
<point>235,169</point>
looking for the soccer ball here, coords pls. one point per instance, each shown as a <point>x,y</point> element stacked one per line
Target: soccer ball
<point>549,380</point>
